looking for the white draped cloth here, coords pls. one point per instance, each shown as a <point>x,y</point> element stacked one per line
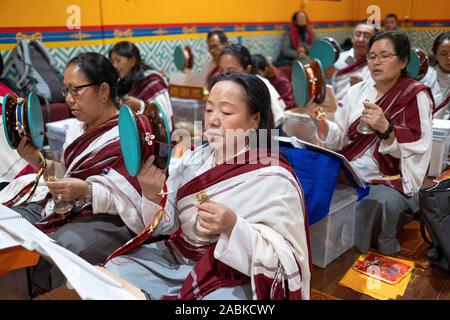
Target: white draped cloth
<point>277,104</point>
<point>341,83</point>
<point>269,236</point>
<point>112,193</point>
<point>443,80</point>
<point>11,163</point>
<point>414,156</point>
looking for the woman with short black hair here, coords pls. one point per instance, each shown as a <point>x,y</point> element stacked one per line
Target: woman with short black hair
<point>265,69</point>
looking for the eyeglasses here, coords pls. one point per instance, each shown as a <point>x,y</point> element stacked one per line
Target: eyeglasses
<point>384,56</point>
<point>74,91</point>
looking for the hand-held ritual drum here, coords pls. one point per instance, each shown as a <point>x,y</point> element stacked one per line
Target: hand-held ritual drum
<point>308,80</point>
<point>22,117</point>
<point>143,135</point>
<point>183,58</point>
<point>418,64</point>
<point>327,51</point>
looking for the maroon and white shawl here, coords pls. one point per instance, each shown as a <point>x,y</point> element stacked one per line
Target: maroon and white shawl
<point>269,243</point>
<point>400,107</point>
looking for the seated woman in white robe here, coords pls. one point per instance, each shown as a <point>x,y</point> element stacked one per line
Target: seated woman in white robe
<point>92,174</point>
<point>237,58</point>
<point>441,75</point>
<point>236,193</point>
<point>395,158</point>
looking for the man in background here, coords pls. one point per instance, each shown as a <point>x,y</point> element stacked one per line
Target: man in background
<point>391,22</point>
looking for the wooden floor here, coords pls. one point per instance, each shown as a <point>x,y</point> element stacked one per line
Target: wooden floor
<point>429,283</point>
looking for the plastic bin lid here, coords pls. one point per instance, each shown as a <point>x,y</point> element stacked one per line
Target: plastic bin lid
<point>343,195</point>
<point>440,133</point>
<point>57,130</point>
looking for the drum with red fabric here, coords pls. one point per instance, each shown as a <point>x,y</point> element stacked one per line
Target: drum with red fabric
<point>143,135</point>
<point>22,117</point>
<point>183,58</point>
<point>308,80</point>
<point>418,64</point>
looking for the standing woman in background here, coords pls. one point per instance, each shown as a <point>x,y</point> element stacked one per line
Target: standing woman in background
<point>139,83</point>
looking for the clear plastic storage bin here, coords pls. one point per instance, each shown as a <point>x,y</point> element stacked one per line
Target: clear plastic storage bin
<point>439,151</point>
<point>188,113</point>
<point>335,233</point>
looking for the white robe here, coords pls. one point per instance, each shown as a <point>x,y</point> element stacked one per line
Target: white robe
<point>253,246</point>
<point>111,193</point>
<point>11,163</point>
<point>443,81</point>
<point>341,84</point>
<point>414,156</point>
<point>430,79</point>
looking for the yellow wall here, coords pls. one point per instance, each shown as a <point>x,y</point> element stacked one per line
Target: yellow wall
<point>104,22</point>
<point>329,10</point>
<point>320,10</point>
<point>431,10</point>
<point>197,11</point>
<point>35,13</point>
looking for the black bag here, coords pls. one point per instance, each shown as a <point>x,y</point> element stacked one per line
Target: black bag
<point>435,216</point>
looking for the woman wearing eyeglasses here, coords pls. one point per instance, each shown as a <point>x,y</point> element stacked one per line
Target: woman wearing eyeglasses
<point>94,181</point>
<point>139,83</point>
<point>394,158</point>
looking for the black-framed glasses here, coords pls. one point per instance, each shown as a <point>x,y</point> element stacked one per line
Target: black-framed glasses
<point>74,91</point>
